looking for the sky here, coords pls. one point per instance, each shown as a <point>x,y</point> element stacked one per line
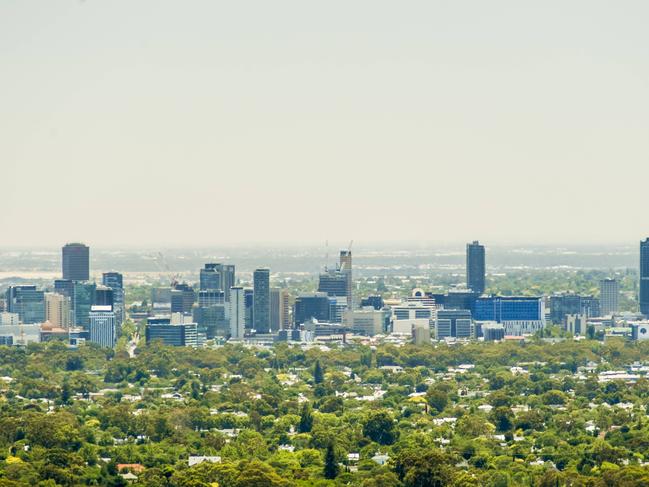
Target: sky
<point>210,122</point>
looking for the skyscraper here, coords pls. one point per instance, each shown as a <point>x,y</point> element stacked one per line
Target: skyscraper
<point>115,281</point>
<point>609,290</point>
<point>346,268</point>
<point>218,276</point>
<point>26,301</point>
<point>76,262</point>
<point>58,310</point>
<point>210,277</point>
<point>279,317</point>
<point>261,300</point>
<point>644,277</point>
<point>475,267</point>
<point>237,312</point>
<point>102,326</point>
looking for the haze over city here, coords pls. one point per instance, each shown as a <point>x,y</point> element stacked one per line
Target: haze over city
<point>204,123</point>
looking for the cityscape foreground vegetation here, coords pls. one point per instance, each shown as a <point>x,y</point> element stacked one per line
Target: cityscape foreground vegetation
<point>539,413</point>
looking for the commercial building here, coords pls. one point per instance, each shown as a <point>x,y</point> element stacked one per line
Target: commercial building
<point>218,276</point>
<point>58,310</point>
<point>492,331</point>
<point>83,297</point>
<point>237,312</point>
<point>367,321</point>
<point>249,301</point>
<point>475,267</point>
<point>644,277</point>
<point>609,296</point>
<point>334,283</point>
<point>375,301</point>
<point>103,329</point>
<point>172,334</point>
<point>115,281</point>
<point>183,298</point>
<point>453,323</point>
<point>565,304</point>
<point>279,309</point>
<point>76,262</point>
<point>210,278</point>
<point>576,324</point>
<point>520,314</point>
<point>26,301</point>
<point>412,314</point>
<point>261,301</point>
<point>346,268</point>
<point>311,306</point>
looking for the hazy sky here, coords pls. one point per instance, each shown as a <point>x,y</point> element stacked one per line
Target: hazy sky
<point>209,122</point>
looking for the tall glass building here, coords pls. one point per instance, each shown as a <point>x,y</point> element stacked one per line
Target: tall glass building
<point>644,277</point>
<point>115,281</point>
<point>261,301</point>
<point>76,262</point>
<point>26,301</point>
<point>475,267</point>
<point>519,314</point>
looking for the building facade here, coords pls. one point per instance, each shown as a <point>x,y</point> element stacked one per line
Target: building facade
<point>58,310</point>
<point>261,300</point>
<point>26,301</point>
<point>76,262</point>
<point>644,277</point>
<point>475,267</point>
<point>609,296</point>
<point>520,314</point>
<point>237,312</point>
<point>103,329</point>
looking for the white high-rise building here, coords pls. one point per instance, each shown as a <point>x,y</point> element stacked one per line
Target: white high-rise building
<point>102,326</point>
<point>609,296</point>
<point>237,312</point>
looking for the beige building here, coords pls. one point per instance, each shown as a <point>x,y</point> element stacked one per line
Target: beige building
<point>279,309</point>
<point>57,310</point>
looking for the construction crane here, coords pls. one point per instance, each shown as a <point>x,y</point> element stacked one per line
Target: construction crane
<point>163,266</point>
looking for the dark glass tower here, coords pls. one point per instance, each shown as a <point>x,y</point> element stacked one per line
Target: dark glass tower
<point>261,301</point>
<point>76,262</point>
<point>475,267</point>
<point>644,277</point>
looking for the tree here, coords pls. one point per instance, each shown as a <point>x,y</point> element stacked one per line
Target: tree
<point>318,373</point>
<point>437,400</point>
<point>423,468</point>
<point>331,467</point>
<point>379,427</point>
<point>306,419</point>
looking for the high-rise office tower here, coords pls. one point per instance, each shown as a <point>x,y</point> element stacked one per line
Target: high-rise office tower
<point>346,268</point>
<point>26,301</point>
<point>83,297</point>
<point>279,309</point>
<point>182,298</point>
<point>210,277</point>
<point>115,281</point>
<point>644,277</point>
<point>104,296</point>
<point>248,299</point>
<point>475,267</point>
<point>76,262</point>
<point>609,290</point>
<point>103,330</point>
<point>58,310</point>
<point>261,300</point>
<point>218,276</point>
<point>237,312</point>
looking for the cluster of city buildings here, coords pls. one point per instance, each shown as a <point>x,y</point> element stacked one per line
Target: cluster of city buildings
<point>74,309</point>
<point>218,307</point>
